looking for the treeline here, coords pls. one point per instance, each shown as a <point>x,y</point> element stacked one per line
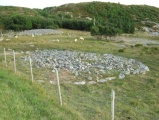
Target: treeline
<point>111,19</point>
<point>77,24</point>
<point>19,22</point>
<point>107,19</point>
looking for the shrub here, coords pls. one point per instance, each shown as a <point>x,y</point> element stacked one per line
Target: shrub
<point>121,50</point>
<point>138,45</point>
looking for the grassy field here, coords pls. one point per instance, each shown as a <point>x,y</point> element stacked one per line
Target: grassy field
<point>23,100</point>
<point>136,95</point>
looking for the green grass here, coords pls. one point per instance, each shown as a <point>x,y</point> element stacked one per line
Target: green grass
<point>136,95</point>
<point>23,100</point>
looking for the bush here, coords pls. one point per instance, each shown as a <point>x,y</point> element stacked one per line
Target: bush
<point>121,50</point>
<point>53,26</point>
<point>154,49</point>
<point>138,45</point>
<point>94,30</point>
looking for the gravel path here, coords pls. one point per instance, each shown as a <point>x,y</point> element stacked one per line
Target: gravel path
<point>133,41</point>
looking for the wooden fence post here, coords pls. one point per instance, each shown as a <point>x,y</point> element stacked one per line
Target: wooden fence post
<point>94,21</point>
<point>31,71</point>
<point>5,58</point>
<point>14,62</point>
<point>58,83</point>
<point>112,104</point>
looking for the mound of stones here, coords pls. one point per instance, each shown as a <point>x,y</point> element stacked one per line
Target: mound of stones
<point>87,64</point>
<point>39,32</point>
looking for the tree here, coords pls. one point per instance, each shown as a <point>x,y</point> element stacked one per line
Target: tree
<point>1,25</point>
<point>8,22</point>
<point>36,22</point>
<point>94,30</point>
<point>107,31</point>
<point>20,23</point>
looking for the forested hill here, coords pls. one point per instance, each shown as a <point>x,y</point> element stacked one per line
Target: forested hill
<point>112,17</point>
<point>105,9</point>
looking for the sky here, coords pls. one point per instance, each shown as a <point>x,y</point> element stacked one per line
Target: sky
<point>50,3</point>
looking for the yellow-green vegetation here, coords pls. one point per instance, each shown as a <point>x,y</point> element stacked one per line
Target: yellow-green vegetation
<point>10,10</point>
<point>136,95</point>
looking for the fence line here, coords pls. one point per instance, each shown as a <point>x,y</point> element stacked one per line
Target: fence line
<point>31,71</point>
<point>58,84</point>
<point>59,90</point>
<point>112,104</point>
<point>5,58</point>
<point>14,62</point>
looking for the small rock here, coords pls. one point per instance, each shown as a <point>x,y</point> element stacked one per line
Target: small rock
<point>31,45</point>
<point>80,83</point>
<point>89,78</point>
<point>110,78</point>
<point>51,82</point>
<point>102,80</point>
<point>27,52</point>
<point>121,76</point>
<point>76,73</point>
<point>122,46</point>
<point>7,39</point>
<point>40,81</point>
<point>91,82</point>
<point>127,72</point>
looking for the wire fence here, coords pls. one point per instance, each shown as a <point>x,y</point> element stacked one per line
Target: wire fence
<point>91,107</point>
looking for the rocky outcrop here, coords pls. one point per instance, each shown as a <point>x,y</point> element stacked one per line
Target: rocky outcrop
<point>153,28</point>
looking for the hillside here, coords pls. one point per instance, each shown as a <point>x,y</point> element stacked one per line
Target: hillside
<point>11,10</point>
<point>23,100</point>
<point>135,95</point>
<point>104,9</point>
<point>118,63</point>
<point>111,17</point>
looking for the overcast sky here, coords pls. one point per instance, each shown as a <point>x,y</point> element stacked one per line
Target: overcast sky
<point>49,3</point>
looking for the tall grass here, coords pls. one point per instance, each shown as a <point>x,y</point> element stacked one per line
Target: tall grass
<point>23,100</point>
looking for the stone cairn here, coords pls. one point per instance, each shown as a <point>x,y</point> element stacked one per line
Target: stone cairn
<point>89,65</point>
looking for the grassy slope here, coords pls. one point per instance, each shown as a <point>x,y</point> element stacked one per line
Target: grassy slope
<point>23,100</point>
<point>12,10</point>
<point>136,96</point>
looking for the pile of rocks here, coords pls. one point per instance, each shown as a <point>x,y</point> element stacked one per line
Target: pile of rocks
<point>39,32</point>
<point>87,64</point>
